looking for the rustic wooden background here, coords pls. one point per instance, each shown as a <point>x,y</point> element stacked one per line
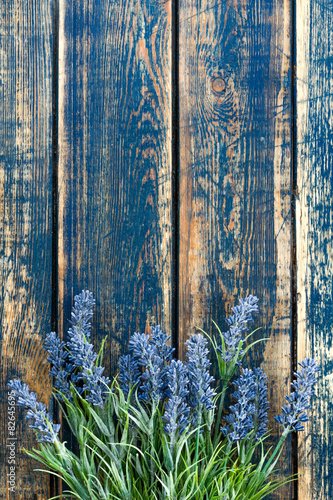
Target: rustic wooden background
<point>171,157</point>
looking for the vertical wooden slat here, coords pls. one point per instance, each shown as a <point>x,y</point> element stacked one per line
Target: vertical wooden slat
<point>314,28</point>
<point>114,165</point>
<point>235,176</point>
<point>26,223</point>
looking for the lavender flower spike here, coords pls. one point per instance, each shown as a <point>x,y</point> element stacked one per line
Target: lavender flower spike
<point>294,413</point>
<point>241,419</point>
<point>82,313</point>
<point>138,344</point>
<point>78,361</point>
<point>177,412</point>
<point>96,385</point>
<point>160,341</point>
<point>37,412</point>
<point>164,351</point>
<point>82,354</point>
<point>81,351</point>
<point>148,355</point>
<point>61,369</point>
<point>250,411</point>
<point>260,419</point>
<point>232,340</point>
<point>153,383</point>
<point>129,373</point>
<point>243,313</point>
<point>200,393</point>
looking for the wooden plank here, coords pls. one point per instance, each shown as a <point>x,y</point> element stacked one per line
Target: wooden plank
<point>26,223</point>
<point>115,165</point>
<point>314,28</point>
<point>235,176</point>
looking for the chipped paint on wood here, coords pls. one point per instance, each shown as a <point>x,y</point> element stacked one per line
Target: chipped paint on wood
<point>26,231</point>
<point>115,165</point>
<point>235,175</point>
<point>115,186</point>
<point>278,367</point>
<point>314,82</point>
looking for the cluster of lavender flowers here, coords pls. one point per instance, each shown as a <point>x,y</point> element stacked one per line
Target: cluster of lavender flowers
<point>249,414</point>
<point>155,377</point>
<point>73,362</point>
<point>250,411</point>
<point>149,374</point>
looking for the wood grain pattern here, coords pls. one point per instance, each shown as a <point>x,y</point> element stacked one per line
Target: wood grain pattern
<point>115,165</point>
<point>235,176</point>
<point>314,236</point>
<point>115,190</point>
<point>26,224</point>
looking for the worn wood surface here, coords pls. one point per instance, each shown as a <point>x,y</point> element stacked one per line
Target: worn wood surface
<point>115,190</point>
<point>115,165</point>
<point>235,176</point>
<point>26,225</point>
<point>314,236</point>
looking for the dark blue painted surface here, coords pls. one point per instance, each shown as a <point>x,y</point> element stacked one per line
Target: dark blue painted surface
<point>316,188</point>
<point>115,186</point>
<point>235,236</point>
<point>26,38</point>
<point>118,178</point>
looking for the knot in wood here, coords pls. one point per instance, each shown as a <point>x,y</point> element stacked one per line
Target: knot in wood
<point>218,85</point>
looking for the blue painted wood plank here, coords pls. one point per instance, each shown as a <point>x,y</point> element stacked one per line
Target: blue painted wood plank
<point>26,225</point>
<point>314,73</point>
<point>115,165</point>
<point>235,177</point>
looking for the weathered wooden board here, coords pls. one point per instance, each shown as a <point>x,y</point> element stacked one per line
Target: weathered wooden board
<point>115,165</point>
<point>26,222</point>
<point>314,85</point>
<point>115,188</point>
<point>235,176</point>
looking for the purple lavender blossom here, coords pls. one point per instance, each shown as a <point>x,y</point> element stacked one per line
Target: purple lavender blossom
<point>80,354</point>
<point>37,412</point>
<point>200,393</point>
<point>147,357</point>
<point>241,418</point>
<point>299,400</point>
<point>260,419</point>
<point>96,386</point>
<point>160,342</point>
<point>138,345</point>
<point>230,349</point>
<point>152,378</point>
<point>177,412</point>
<point>250,411</point>
<point>164,351</point>
<point>152,354</point>
<point>61,369</point>
<point>55,347</point>
<point>242,313</point>
<point>82,313</point>
<point>129,373</point>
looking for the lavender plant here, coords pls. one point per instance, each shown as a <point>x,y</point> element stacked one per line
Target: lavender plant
<point>160,430</point>
<point>46,432</point>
